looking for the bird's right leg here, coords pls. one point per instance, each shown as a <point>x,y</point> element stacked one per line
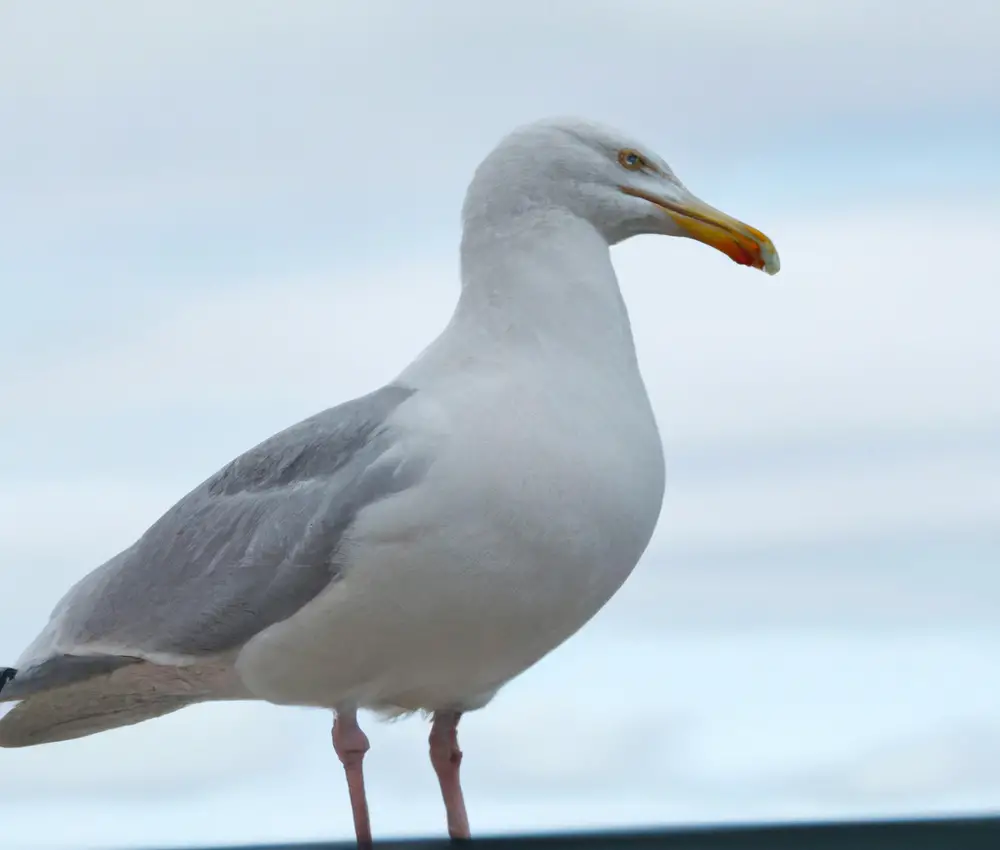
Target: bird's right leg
<point>446,757</point>
<point>351,744</point>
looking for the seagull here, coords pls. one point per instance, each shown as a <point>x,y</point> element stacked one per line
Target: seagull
<point>414,549</point>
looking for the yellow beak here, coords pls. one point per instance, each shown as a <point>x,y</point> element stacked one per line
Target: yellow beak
<point>738,241</point>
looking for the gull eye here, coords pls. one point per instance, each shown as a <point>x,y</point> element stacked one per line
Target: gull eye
<point>632,160</point>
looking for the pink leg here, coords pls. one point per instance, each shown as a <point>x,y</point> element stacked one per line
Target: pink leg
<point>351,744</point>
<point>447,758</point>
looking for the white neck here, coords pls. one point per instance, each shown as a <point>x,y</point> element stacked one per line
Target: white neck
<point>544,276</point>
<point>540,284</point>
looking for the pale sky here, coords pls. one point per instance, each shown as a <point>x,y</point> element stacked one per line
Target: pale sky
<point>222,217</point>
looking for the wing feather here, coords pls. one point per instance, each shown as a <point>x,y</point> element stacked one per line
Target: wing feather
<point>244,550</point>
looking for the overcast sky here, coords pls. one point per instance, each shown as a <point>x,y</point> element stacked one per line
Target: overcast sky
<point>221,217</point>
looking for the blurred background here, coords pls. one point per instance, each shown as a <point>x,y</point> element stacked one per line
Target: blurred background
<point>218,218</point>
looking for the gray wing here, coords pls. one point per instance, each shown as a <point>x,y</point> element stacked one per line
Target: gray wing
<point>248,547</point>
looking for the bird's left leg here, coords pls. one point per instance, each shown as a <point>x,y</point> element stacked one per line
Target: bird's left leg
<point>351,744</point>
<point>446,758</point>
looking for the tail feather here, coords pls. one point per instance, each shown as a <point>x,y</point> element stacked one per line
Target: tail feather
<point>46,719</point>
<point>119,695</point>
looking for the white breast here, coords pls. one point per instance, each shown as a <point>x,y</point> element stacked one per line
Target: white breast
<point>538,504</point>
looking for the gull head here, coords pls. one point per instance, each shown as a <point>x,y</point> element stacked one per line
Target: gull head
<point>622,187</point>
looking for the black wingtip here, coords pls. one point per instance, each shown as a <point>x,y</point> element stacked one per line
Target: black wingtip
<point>7,674</point>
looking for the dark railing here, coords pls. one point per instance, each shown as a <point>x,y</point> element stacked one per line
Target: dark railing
<point>951,834</point>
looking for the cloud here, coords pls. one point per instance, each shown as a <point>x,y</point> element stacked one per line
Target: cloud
<point>785,507</point>
<point>947,760</point>
<point>215,348</point>
<point>194,750</point>
<point>181,97</point>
